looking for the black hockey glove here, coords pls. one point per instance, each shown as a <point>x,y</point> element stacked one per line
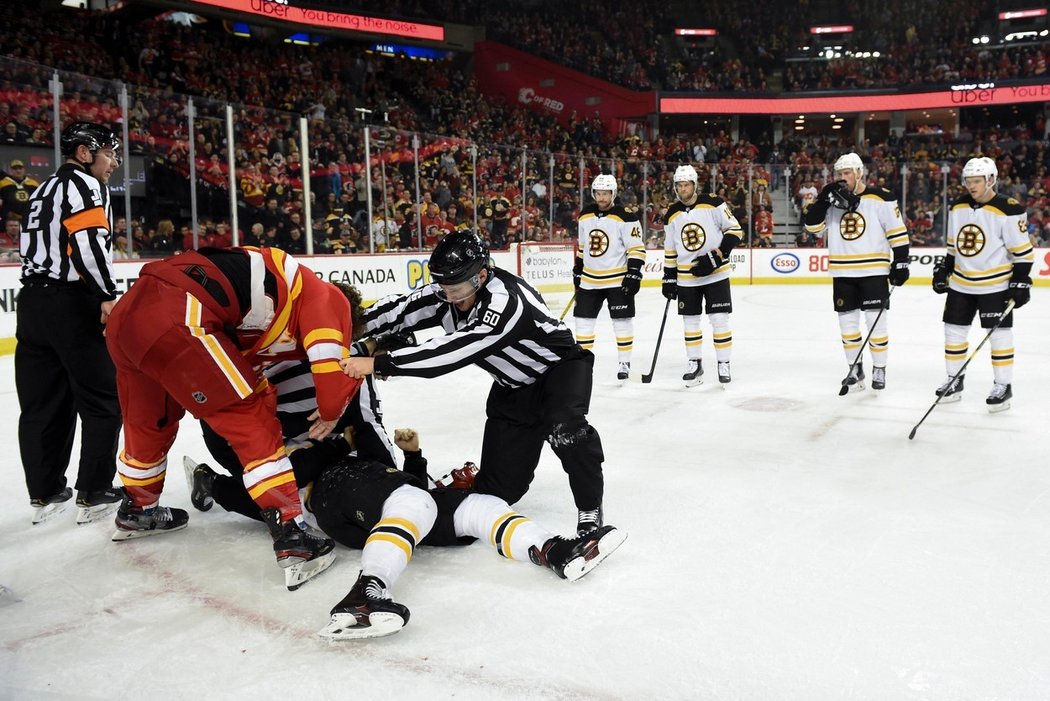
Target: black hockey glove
<point>825,194</point>
<point>1021,286</point>
<point>632,281</point>
<point>941,272</point>
<point>899,272</point>
<point>394,341</point>
<point>670,283</point>
<point>841,197</point>
<point>707,263</point>
<point>577,273</point>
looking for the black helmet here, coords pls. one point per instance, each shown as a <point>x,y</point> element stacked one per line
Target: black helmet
<point>94,136</point>
<point>458,257</point>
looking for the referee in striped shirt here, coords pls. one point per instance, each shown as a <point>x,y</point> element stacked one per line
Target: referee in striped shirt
<point>62,367</point>
<point>542,379</point>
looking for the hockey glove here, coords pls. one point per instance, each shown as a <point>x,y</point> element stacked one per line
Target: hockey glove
<point>632,281</point>
<point>841,197</point>
<point>707,263</point>
<point>899,272</point>
<point>670,289</point>
<point>825,194</point>
<point>577,273</point>
<point>395,341</point>
<point>941,272</point>
<point>1020,289</point>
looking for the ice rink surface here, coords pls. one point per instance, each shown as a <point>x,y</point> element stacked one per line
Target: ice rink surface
<point>785,543</point>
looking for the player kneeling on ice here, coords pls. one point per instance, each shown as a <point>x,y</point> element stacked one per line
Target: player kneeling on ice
<point>363,504</point>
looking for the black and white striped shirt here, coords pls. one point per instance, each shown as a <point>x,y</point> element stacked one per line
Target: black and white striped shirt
<point>509,332</point>
<point>66,235</point>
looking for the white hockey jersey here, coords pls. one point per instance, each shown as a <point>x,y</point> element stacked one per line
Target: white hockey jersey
<point>986,240</point>
<point>606,241</point>
<point>861,243</point>
<point>693,231</point>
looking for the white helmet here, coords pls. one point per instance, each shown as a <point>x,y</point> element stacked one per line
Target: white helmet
<point>849,161</point>
<point>685,174</point>
<point>604,182</point>
<point>979,167</point>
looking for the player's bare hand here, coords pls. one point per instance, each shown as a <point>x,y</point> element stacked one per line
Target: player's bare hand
<point>406,439</point>
<point>107,309</point>
<point>320,428</point>
<point>357,367</point>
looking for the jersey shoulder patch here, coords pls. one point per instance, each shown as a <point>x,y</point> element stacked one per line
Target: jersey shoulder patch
<point>1010,206</point>
<point>629,214</point>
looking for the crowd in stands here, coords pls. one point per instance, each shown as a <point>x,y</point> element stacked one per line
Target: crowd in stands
<point>162,63</point>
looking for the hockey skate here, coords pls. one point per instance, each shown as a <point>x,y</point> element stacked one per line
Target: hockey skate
<point>878,378</point>
<point>589,520</point>
<point>623,373</point>
<point>724,377</point>
<point>999,399</point>
<point>854,381</point>
<point>199,478</point>
<point>572,558</point>
<point>135,522</point>
<point>951,391</point>
<point>366,612</point>
<point>43,509</point>
<point>694,374</point>
<point>301,552</point>
<point>460,478</point>
<point>92,506</point>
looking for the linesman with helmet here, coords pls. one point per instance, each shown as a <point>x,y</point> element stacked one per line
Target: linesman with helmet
<point>989,263</point>
<point>62,367</point>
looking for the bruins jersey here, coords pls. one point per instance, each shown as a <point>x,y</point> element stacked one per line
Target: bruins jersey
<point>606,241</point>
<point>692,231</point>
<point>15,195</point>
<point>986,240</point>
<point>861,243</point>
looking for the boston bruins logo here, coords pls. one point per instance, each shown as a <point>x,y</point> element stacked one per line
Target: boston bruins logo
<point>597,243</point>
<point>693,237</point>
<point>970,240</point>
<point>852,226</point>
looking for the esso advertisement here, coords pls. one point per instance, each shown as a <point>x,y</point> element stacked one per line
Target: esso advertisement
<point>785,263</point>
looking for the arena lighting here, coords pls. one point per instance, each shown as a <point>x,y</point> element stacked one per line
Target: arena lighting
<point>832,29</point>
<point>682,32</point>
<point>280,10</point>
<point>969,95</point>
<point>1021,14</point>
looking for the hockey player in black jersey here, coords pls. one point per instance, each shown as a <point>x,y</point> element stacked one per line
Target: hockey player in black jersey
<point>541,378</point>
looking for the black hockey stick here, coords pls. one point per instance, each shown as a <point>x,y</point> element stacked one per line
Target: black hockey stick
<point>951,382</point>
<point>648,377</point>
<point>844,390</point>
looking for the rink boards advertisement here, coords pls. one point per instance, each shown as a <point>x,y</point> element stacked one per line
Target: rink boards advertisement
<point>549,270</point>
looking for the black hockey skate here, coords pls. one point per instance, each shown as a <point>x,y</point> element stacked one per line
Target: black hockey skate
<point>854,381</point>
<point>572,558</point>
<point>694,374</point>
<point>951,391</point>
<point>199,478</point>
<point>92,506</point>
<point>878,378</point>
<point>301,552</point>
<point>367,611</point>
<point>589,520</point>
<point>624,372</point>
<point>999,399</point>
<point>724,376</point>
<point>134,522</point>
<point>43,509</point>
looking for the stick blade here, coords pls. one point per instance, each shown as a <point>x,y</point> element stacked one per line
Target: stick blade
<point>843,390</point>
<point>912,434</point>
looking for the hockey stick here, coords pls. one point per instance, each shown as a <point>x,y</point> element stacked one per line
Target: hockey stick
<point>860,353</point>
<point>572,301</point>
<point>648,377</point>
<point>1002,318</point>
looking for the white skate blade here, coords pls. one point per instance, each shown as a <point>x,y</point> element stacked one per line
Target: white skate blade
<point>856,387</point>
<point>299,573</point>
<point>996,408</point>
<point>48,511</point>
<point>90,514</point>
<point>188,466</point>
<point>345,626</point>
<point>952,398</point>
<point>121,534</point>
<point>577,568</point>
<point>694,383</point>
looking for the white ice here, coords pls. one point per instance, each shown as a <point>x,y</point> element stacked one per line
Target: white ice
<point>785,543</point>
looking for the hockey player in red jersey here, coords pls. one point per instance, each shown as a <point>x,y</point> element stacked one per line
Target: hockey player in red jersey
<point>189,336</point>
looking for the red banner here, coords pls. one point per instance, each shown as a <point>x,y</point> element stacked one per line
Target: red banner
<point>543,86</point>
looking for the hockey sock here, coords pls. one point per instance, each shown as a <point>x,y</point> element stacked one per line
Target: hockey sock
<point>624,329</point>
<point>694,336</point>
<point>585,332</point>
<point>491,519</point>
<point>722,335</point>
<point>849,326</point>
<point>879,343</point>
<point>271,483</point>
<point>1003,355</point>
<point>408,515</point>
<point>955,347</point>
<point>144,480</point>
